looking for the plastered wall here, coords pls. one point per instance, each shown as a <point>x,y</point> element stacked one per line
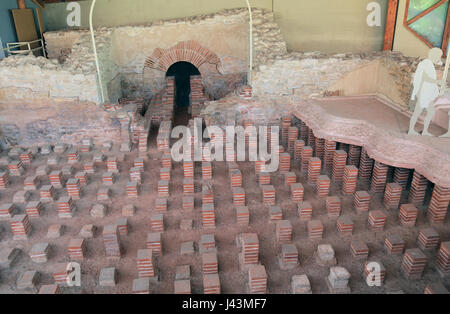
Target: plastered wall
<point>405,41</point>
<point>325,25</point>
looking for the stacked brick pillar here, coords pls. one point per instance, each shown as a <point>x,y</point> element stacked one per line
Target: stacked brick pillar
<point>418,189</point>
<point>197,95</point>
<point>439,204</point>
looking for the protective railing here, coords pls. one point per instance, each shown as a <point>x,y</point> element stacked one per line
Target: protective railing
<point>16,48</point>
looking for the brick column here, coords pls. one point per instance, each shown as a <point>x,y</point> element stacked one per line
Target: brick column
<point>339,162</point>
<point>443,259</point>
<point>311,139</point>
<point>292,137</point>
<point>350,180</point>
<point>343,146</point>
<point>354,155</point>
<point>439,204</point>
<point>125,134</point>
<point>392,195</point>
<point>320,148</point>
<point>323,186</point>
<point>143,132</point>
<point>285,124</point>
<point>314,168</point>
<point>307,153</point>
<point>365,166</point>
<point>418,189</point>
<point>379,177</point>
<point>304,131</point>
<point>285,162</point>
<point>401,176</point>
<point>299,144</point>
<point>330,147</point>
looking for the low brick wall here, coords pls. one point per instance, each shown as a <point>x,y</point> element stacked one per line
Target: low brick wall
<point>38,122</point>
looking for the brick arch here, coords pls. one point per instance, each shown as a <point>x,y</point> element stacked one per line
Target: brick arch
<point>188,51</point>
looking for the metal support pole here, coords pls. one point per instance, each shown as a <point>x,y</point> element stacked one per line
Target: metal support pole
<point>95,51</point>
<point>250,70</point>
<point>445,76</point>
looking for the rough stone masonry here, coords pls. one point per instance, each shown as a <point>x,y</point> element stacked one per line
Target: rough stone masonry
<point>63,94</point>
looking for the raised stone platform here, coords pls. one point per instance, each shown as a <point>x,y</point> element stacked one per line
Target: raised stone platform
<point>375,124</point>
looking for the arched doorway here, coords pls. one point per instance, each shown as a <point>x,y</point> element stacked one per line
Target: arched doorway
<point>182,71</point>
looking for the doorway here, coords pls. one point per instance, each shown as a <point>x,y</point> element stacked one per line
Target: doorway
<point>182,72</point>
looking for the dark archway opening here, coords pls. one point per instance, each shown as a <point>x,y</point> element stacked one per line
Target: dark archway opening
<point>182,71</point>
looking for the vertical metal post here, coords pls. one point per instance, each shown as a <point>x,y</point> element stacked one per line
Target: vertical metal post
<point>250,70</point>
<point>445,76</point>
<point>43,48</point>
<point>95,51</point>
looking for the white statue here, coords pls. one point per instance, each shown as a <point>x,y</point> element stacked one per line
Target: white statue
<point>426,90</point>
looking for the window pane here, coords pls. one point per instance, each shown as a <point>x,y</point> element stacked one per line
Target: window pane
<point>432,25</point>
<point>418,6</point>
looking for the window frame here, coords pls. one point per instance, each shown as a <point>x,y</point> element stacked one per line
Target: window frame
<point>445,38</point>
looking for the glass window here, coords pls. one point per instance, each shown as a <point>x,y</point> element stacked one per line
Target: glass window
<point>427,19</point>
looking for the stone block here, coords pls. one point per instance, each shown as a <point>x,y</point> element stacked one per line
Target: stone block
<point>108,277</point>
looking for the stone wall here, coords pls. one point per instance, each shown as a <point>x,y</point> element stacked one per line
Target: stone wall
<point>59,99</point>
<point>81,57</point>
<point>31,123</point>
<point>134,60</point>
<point>304,74</point>
<point>28,77</point>
<point>236,110</point>
<point>314,74</point>
<point>111,77</point>
<point>59,45</point>
<point>45,101</point>
<point>401,70</point>
<point>288,79</point>
<point>124,50</point>
<point>390,75</point>
<point>225,34</point>
<point>268,42</point>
